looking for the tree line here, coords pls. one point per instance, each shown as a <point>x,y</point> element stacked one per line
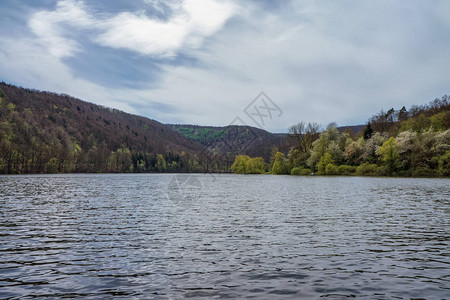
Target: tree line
<point>394,143</point>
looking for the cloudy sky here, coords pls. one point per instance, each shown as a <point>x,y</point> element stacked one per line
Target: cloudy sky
<point>203,61</point>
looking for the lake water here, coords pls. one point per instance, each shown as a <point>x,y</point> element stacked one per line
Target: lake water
<point>224,236</point>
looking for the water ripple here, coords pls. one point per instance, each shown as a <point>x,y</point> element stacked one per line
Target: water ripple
<point>227,236</point>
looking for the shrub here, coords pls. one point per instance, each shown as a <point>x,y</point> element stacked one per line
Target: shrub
<point>444,164</point>
<point>300,171</point>
<point>346,170</point>
<point>424,171</point>
<point>383,171</point>
<point>367,169</point>
<point>331,170</point>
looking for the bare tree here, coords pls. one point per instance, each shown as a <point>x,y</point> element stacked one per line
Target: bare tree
<point>301,136</point>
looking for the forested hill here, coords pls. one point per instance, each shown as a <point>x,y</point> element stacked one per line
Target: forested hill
<point>233,140</point>
<point>48,132</point>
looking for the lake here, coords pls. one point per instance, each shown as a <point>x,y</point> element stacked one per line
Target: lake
<point>224,236</point>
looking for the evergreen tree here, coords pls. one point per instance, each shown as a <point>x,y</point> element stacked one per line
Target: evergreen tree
<point>402,114</point>
<point>368,131</point>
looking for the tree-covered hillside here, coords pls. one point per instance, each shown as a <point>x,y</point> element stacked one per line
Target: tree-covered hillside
<point>42,132</point>
<point>202,134</point>
<point>233,140</point>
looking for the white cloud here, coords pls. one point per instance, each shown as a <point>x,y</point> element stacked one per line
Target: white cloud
<point>47,26</point>
<point>192,22</point>
<point>143,35</point>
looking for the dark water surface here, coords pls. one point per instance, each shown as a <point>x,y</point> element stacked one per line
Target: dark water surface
<point>176,236</point>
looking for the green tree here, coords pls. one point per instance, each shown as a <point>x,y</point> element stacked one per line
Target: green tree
<point>256,165</point>
<point>297,158</point>
<point>328,141</point>
<point>161,164</point>
<point>243,164</point>
<point>389,153</point>
<point>279,165</point>
<point>336,152</point>
<point>325,160</point>
<point>240,164</point>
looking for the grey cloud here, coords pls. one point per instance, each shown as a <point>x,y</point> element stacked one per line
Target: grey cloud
<point>320,61</point>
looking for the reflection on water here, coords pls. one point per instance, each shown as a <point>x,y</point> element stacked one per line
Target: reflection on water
<point>235,236</point>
